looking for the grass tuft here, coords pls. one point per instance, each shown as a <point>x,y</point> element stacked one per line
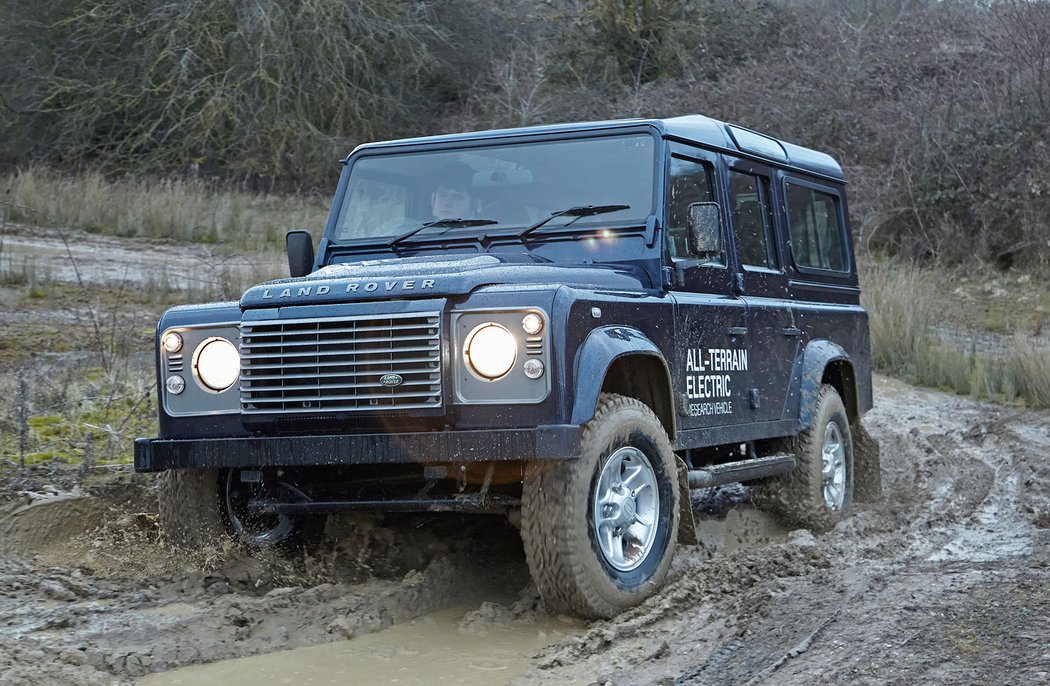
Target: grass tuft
<point>903,302</point>
<point>182,210</point>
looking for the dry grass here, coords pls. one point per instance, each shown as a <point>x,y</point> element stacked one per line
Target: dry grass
<point>183,210</point>
<point>1030,369</point>
<point>904,302</point>
<point>900,303</point>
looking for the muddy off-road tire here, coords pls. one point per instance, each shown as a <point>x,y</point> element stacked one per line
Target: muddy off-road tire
<point>588,554</point>
<point>201,507</point>
<point>818,493</point>
<point>189,507</point>
<point>260,530</point>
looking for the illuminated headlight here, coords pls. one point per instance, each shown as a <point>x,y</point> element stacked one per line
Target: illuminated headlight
<point>172,342</point>
<point>532,323</point>
<point>491,350</point>
<point>217,364</point>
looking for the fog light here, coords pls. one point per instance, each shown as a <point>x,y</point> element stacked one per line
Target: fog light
<point>172,342</point>
<point>533,369</point>
<point>175,384</point>
<point>532,323</point>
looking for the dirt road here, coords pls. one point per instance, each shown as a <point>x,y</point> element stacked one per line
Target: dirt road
<point>945,581</point>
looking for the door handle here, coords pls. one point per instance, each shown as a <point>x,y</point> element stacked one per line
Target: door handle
<point>792,331</point>
<point>736,331</point>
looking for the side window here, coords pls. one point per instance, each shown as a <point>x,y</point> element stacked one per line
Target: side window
<point>753,219</point>
<point>816,235</point>
<point>690,182</point>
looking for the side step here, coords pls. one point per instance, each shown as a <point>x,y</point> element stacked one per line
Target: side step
<point>491,504</point>
<point>744,470</point>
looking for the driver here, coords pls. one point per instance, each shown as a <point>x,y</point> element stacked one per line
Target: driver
<point>453,197</point>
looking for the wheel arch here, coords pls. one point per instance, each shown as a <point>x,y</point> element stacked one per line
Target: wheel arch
<point>825,362</point>
<point>622,360</point>
<point>828,363</point>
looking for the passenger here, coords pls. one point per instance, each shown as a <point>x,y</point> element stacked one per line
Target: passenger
<point>453,197</point>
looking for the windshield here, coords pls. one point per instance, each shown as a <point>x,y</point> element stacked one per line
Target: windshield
<point>497,187</point>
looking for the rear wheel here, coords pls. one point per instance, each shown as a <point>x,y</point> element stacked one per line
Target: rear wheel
<point>819,491</point>
<point>600,532</point>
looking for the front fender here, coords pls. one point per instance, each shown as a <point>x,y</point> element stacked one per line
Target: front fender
<point>597,353</point>
<point>816,358</point>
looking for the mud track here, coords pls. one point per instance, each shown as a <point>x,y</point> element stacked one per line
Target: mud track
<point>946,580</point>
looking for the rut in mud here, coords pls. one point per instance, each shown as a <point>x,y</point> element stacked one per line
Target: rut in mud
<point>945,580</point>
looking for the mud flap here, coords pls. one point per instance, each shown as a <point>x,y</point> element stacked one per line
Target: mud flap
<point>686,523</point>
<point>867,465</point>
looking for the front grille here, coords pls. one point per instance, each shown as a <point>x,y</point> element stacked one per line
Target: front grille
<point>315,366</point>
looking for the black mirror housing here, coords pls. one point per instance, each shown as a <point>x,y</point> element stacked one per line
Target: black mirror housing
<point>705,228</point>
<point>300,246</point>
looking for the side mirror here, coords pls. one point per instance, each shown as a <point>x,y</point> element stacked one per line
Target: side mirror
<point>300,253</point>
<point>705,230</point>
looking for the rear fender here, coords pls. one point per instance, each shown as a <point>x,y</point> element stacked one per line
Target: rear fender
<point>818,355</point>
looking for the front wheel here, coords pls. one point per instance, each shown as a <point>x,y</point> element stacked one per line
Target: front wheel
<point>600,532</point>
<point>251,527</point>
<point>200,507</point>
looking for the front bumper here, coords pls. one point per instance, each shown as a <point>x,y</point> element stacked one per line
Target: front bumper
<point>558,442</point>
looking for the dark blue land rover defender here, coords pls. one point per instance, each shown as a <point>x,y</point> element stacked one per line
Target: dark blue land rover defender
<point>570,325</point>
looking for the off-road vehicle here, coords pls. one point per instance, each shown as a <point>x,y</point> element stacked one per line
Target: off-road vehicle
<point>570,325</point>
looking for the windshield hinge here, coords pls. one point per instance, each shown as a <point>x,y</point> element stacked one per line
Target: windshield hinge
<point>650,230</point>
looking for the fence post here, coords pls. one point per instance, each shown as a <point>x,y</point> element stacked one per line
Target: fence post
<point>23,416</point>
<point>89,453</point>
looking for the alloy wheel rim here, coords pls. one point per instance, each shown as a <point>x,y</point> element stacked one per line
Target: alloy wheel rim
<point>833,467</point>
<point>626,506</point>
<point>253,527</point>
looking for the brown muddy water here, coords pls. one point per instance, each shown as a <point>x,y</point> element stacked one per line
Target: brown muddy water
<point>466,645</point>
<point>451,646</point>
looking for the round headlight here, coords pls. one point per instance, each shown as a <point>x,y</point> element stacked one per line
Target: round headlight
<point>491,350</point>
<point>218,364</point>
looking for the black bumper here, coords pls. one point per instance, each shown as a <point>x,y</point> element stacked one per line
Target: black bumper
<point>560,442</point>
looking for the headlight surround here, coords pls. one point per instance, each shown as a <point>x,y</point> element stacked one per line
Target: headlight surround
<point>490,351</point>
<point>217,364</point>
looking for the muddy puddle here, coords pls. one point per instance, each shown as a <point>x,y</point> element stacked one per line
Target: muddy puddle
<point>459,645</point>
<point>742,528</point>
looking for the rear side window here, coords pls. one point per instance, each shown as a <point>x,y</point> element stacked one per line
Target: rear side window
<point>817,240</point>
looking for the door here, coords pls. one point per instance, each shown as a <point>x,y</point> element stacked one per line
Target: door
<point>711,366</point>
<point>775,334</point>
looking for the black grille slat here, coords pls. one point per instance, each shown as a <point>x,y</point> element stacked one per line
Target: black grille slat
<point>335,364</point>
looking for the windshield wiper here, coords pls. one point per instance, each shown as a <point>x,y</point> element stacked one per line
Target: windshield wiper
<point>576,213</point>
<point>442,223</point>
